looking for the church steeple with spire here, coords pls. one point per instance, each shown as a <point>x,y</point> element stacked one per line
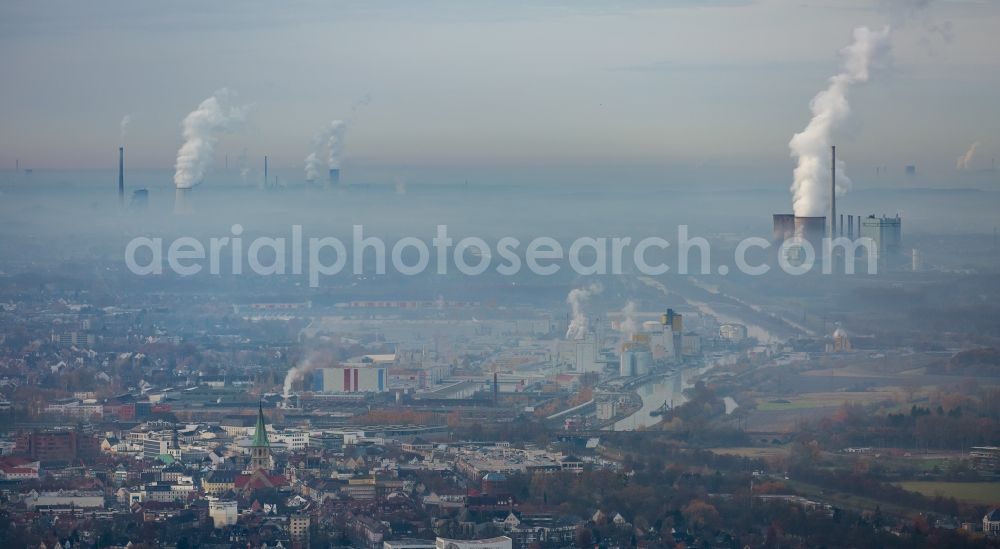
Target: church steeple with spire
<point>260,448</point>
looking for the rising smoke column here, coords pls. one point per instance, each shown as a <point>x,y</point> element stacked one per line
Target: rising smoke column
<point>966,159</point>
<point>628,326</point>
<point>328,143</point>
<point>577,298</point>
<point>201,128</point>
<point>830,109</point>
<point>298,372</point>
<point>123,127</point>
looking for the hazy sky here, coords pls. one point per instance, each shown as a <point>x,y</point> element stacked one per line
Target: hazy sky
<point>546,85</point>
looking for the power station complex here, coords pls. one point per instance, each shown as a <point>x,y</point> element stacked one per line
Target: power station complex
<point>884,231</point>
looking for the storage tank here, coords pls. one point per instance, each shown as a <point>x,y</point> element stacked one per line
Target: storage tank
<point>627,363</point>
<point>643,362</point>
<point>652,326</point>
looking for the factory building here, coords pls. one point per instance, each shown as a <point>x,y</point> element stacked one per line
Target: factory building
<point>502,542</point>
<point>690,345</point>
<point>733,332</point>
<point>223,513</point>
<point>886,232</point>
<point>841,342</point>
<point>350,379</point>
<point>587,355</point>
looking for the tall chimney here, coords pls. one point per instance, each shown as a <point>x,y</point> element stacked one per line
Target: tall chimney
<point>265,171</point>
<point>121,176</point>
<point>833,191</point>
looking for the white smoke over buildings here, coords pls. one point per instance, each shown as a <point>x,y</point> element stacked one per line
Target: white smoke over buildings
<point>966,159</point>
<point>577,299</point>
<point>628,326</point>
<point>830,108</point>
<point>201,127</point>
<point>328,145</point>
<point>298,372</point>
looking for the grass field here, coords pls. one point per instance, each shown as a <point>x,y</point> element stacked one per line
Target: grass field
<point>976,492</point>
<point>821,400</point>
<point>753,452</point>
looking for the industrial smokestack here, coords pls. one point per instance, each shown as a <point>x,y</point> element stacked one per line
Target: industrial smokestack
<point>121,176</point>
<point>833,191</point>
<point>840,225</point>
<point>265,171</point>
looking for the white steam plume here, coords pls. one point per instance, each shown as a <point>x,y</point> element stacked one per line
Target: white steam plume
<point>577,298</point>
<point>328,143</point>
<point>966,159</point>
<point>628,326</point>
<point>297,373</point>
<point>830,109</point>
<point>201,126</point>
<point>126,120</point>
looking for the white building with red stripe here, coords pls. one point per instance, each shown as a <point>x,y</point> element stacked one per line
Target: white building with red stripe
<point>351,379</point>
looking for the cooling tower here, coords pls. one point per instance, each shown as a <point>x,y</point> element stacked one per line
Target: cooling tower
<point>784,226</point>
<point>811,229</point>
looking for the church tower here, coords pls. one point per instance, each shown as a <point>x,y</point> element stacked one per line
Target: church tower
<point>260,449</point>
